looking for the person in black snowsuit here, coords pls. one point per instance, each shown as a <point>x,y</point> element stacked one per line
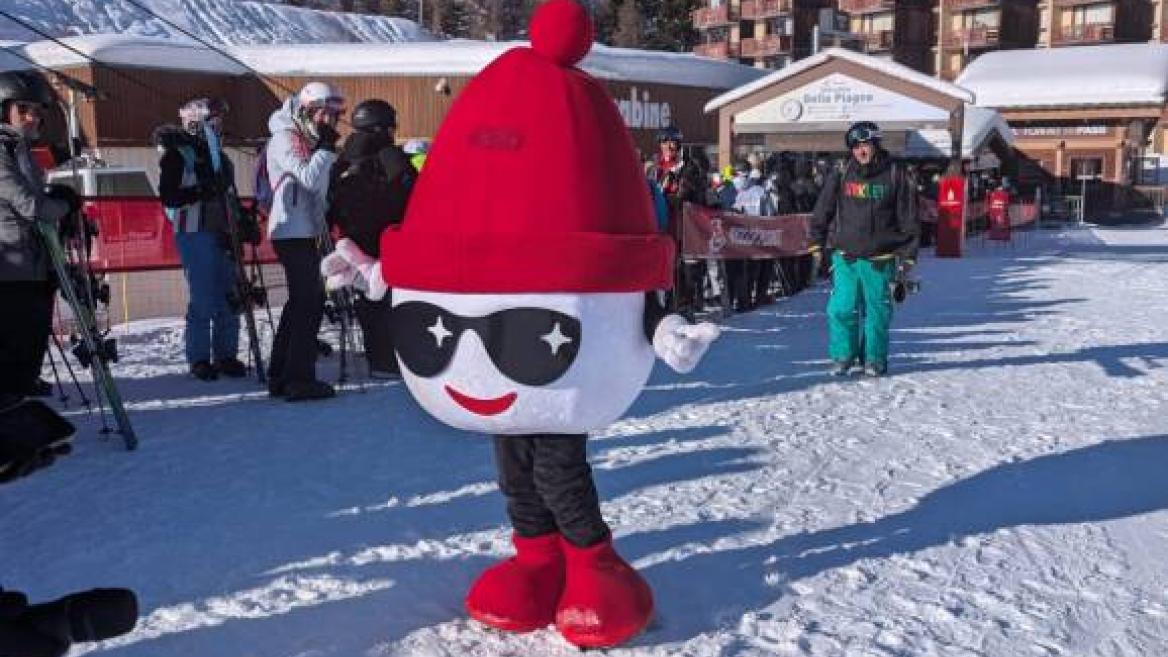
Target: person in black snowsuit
<point>371,186</point>
<point>870,213</point>
<point>26,278</point>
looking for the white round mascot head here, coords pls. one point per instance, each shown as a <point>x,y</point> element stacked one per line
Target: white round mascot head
<point>521,271</point>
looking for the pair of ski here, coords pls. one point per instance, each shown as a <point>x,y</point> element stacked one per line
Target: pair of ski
<point>244,290</point>
<point>89,334</point>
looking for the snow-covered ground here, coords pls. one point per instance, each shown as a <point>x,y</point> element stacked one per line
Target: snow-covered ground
<point>223,21</point>
<point>1003,493</point>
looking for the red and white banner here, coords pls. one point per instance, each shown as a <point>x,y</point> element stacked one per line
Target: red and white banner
<point>715,234</point>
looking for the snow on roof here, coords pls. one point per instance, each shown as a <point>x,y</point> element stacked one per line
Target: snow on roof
<point>122,50</point>
<point>457,57</point>
<point>1117,74</point>
<point>219,21</point>
<point>466,57</point>
<point>885,66</point>
<point>979,124</point>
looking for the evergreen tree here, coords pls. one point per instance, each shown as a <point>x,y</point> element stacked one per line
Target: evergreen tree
<point>629,25</point>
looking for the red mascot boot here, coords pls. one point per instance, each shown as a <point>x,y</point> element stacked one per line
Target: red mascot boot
<point>520,594</point>
<point>605,602</point>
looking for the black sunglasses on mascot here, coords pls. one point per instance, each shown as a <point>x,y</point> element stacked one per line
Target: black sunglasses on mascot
<point>531,346</point>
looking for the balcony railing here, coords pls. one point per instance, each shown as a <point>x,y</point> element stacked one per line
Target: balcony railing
<point>973,37</point>
<point>1085,33</point>
<point>711,17</point>
<point>881,40</point>
<point>1076,3</point>
<point>767,46</point>
<point>755,9</point>
<point>965,5</point>
<point>714,50</point>
<point>866,6</point>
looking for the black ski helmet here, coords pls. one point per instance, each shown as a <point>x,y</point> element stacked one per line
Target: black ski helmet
<point>862,132</point>
<point>373,114</point>
<point>22,87</point>
<point>669,133</point>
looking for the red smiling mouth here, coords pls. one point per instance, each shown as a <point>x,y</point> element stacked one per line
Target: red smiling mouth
<point>482,406</point>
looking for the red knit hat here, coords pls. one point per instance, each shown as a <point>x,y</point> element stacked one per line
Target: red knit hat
<point>532,183</point>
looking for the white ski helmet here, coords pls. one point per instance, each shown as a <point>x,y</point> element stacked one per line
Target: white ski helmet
<point>315,95</point>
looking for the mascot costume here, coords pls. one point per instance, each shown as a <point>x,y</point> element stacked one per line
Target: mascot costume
<point>535,316</point>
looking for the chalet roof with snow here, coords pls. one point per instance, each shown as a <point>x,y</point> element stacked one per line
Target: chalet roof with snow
<point>884,66</point>
<point>455,57</point>
<point>1086,76</point>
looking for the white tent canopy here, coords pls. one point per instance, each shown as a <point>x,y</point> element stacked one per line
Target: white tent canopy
<point>1118,74</point>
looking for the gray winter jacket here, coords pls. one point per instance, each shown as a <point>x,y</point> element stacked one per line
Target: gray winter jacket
<point>23,201</point>
<point>299,177</point>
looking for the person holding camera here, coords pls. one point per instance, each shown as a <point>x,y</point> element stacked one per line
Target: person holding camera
<point>193,198</point>
<point>26,279</point>
<point>870,211</point>
<point>300,156</point>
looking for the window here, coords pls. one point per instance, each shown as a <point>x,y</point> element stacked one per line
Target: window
<point>1086,166</point>
<point>1092,14</point>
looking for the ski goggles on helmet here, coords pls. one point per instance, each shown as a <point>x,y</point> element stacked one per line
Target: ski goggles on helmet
<point>862,134</point>
<point>531,346</point>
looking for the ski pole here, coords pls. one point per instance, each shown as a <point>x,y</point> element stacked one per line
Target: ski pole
<point>62,396</point>
<point>72,374</point>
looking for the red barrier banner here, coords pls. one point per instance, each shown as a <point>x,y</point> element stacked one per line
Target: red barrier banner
<point>135,235</point>
<point>950,216</point>
<point>716,234</point>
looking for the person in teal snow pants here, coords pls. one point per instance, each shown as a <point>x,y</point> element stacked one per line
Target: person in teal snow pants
<point>869,212</point>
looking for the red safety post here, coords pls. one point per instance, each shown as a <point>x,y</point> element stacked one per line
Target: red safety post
<point>999,215</point>
<point>950,216</point>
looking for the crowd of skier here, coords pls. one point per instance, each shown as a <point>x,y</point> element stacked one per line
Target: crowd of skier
<point>312,187</point>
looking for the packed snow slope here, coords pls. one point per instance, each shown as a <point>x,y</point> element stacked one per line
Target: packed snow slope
<point>1003,493</point>
<point>222,21</point>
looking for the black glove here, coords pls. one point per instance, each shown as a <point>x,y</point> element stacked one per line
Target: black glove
<point>326,137</point>
<point>64,193</point>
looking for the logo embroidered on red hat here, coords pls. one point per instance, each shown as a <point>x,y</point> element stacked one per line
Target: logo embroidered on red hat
<point>497,139</point>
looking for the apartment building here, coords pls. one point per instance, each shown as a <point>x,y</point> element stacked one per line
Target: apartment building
<point>902,30</point>
<point>761,33</point>
<point>937,37</point>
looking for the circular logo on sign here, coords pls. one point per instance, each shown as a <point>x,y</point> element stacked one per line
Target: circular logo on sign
<point>791,109</point>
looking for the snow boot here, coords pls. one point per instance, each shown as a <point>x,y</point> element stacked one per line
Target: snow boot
<point>231,368</point>
<point>875,369</point>
<point>605,601</point>
<point>840,367</point>
<point>204,371</point>
<point>520,594</point>
<point>295,391</point>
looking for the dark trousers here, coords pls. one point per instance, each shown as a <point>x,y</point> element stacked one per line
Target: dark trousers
<point>763,275</point>
<point>24,333</point>
<point>294,350</point>
<point>548,485</point>
<point>738,283</point>
<point>374,318</point>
